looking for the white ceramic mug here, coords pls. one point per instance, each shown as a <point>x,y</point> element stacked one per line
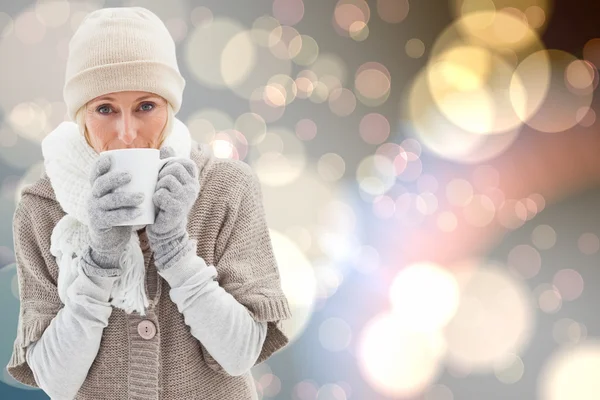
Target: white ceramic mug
<point>144,165</point>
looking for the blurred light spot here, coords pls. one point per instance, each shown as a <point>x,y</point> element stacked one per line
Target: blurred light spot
<point>468,84</point>
<point>283,42</point>
<point>536,16</point>
<point>438,392</point>
<point>206,50</point>
<point>331,391</point>
<point>52,13</point>
<point>374,128</point>
<point>335,334</point>
<point>586,116</point>
<point>459,192</point>
<point>580,75</point>
<point>6,25</point>
<point>427,203</point>
<point>366,259</point>
<point>568,332</point>
<point>447,221</point>
<point>411,166</point>
<point>497,29</point>
<point>319,93</point>
<point>543,237</point>
<point>285,85</point>
<point>332,82</point>
<point>427,183</point>
<point>348,12</point>
<point>548,297</point>
<point>406,211</point>
<point>525,261</point>
<point>437,133</point>
<point>270,384</point>
<point>375,175</point>
<point>383,207</point>
<point>305,390</point>
<point>485,176</point>
<point>359,31</point>
<point>28,28</point>
<point>238,58</point>
<point>177,27</point>
<point>424,297</point>
<point>201,16</point>
<point>372,84</point>
<point>512,214</point>
<point>591,51</point>
<point>252,126</point>
<point>392,11</point>
<point>329,276</point>
<point>306,129</point>
<point>588,243</point>
<point>415,48</point>
<point>288,12</point>
<point>307,50</point>
<point>297,281</point>
<point>510,370</point>
<point>268,102</point>
<point>262,28</point>
<point>342,102</point>
<point>396,361</point>
<point>331,167</point>
<point>29,120</point>
<point>330,64</point>
<point>209,121</point>
<point>556,109</point>
<point>281,158</point>
<point>571,373</point>
<point>480,211</point>
<point>569,283</point>
<point>494,318</point>
<point>539,201</point>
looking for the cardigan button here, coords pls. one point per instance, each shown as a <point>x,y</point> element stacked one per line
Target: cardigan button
<point>146,329</point>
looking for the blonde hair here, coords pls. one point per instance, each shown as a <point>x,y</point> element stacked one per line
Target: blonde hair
<point>80,120</point>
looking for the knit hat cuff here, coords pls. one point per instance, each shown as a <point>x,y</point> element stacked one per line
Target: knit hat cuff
<point>158,78</point>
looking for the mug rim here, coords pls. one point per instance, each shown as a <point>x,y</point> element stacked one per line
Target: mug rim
<point>137,148</point>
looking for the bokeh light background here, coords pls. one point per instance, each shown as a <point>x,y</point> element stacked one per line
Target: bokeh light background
<point>430,174</point>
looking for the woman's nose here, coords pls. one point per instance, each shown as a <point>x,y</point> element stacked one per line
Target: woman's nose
<point>127,130</point>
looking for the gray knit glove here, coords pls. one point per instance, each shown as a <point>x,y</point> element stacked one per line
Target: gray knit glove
<point>176,191</point>
<point>105,209</point>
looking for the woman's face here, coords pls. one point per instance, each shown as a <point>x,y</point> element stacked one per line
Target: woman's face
<point>124,120</point>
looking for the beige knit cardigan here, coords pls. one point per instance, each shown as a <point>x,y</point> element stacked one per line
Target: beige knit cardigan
<point>229,224</point>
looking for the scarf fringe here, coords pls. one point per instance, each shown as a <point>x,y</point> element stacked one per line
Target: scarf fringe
<point>68,240</point>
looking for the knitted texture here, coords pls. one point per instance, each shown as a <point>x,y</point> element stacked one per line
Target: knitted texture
<point>118,49</point>
<point>229,226</point>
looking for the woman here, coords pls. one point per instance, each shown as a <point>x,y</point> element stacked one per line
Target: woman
<point>86,327</point>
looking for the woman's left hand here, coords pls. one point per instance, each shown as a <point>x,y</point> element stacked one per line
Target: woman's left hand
<point>176,191</point>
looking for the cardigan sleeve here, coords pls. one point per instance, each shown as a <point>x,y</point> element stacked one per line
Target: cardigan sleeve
<point>39,299</point>
<point>247,268</point>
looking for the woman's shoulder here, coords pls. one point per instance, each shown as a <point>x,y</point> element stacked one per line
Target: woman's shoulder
<point>221,177</point>
<point>38,204</point>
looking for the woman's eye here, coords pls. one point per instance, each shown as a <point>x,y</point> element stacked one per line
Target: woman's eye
<point>147,104</point>
<point>102,107</point>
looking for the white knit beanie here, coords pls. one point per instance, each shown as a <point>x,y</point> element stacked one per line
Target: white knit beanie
<point>119,49</point>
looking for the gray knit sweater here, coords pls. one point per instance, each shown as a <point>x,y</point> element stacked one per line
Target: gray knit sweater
<point>222,314</point>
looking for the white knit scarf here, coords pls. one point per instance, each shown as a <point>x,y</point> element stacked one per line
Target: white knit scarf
<point>68,160</point>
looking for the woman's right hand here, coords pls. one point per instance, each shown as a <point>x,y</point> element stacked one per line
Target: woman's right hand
<point>106,208</point>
